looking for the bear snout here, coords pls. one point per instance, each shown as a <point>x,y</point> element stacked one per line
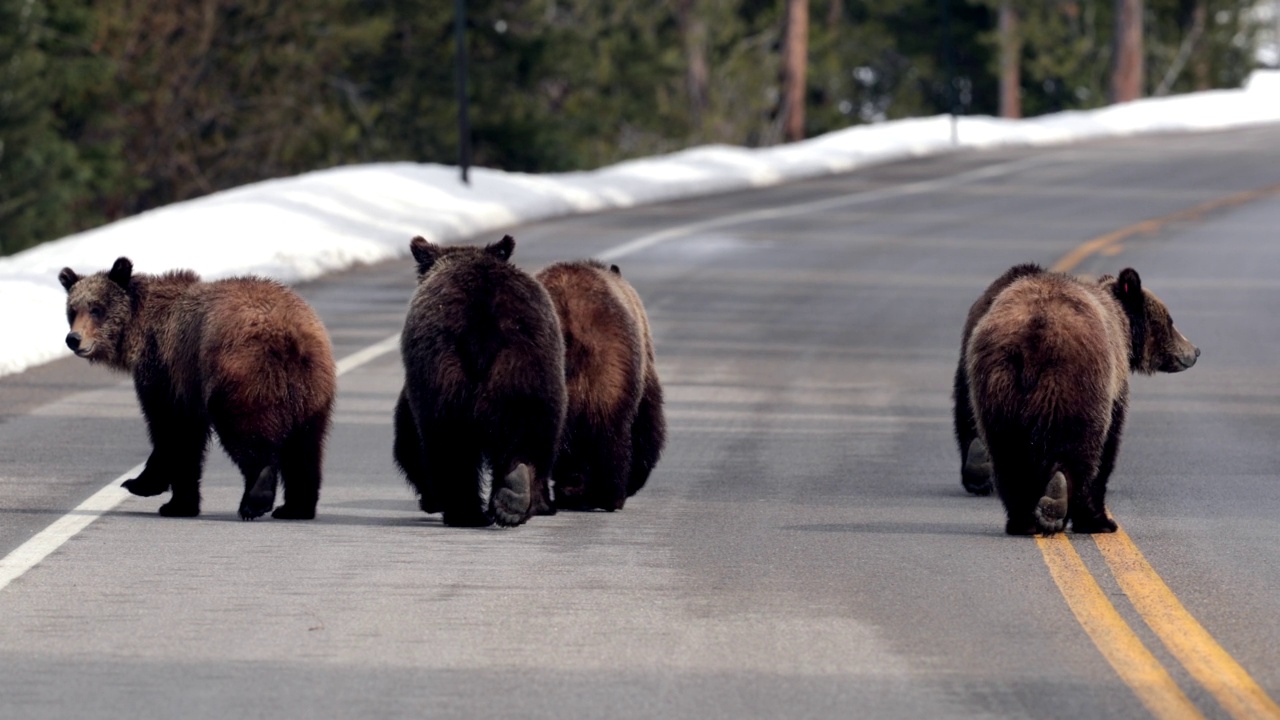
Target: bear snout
<point>75,341</point>
<point>1189,358</point>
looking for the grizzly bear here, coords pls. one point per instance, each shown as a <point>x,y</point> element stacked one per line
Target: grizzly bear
<point>1048,368</point>
<point>484,384</point>
<point>615,429</point>
<point>245,356</point>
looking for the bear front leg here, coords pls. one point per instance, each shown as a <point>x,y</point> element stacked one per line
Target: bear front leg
<point>179,438</point>
<point>151,481</point>
<point>1092,515</point>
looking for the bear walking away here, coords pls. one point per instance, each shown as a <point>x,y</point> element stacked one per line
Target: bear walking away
<point>1047,366</point>
<point>615,429</point>
<point>245,356</point>
<point>484,383</point>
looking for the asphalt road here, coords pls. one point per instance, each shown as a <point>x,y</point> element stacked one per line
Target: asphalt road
<point>804,548</point>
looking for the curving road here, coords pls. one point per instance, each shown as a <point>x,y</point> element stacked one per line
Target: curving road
<point>804,549</point>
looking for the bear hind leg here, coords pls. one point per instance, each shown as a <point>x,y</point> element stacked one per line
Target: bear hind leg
<point>1019,480</point>
<point>259,493</point>
<point>301,459</point>
<point>511,501</point>
<point>648,436</point>
<point>453,466</point>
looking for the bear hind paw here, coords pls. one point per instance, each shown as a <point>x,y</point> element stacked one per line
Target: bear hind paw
<point>513,502</point>
<point>180,508</point>
<point>975,475</point>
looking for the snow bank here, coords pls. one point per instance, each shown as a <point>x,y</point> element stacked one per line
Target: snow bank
<point>302,227</point>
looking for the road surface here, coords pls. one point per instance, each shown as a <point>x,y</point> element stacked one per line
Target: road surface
<point>804,548</point>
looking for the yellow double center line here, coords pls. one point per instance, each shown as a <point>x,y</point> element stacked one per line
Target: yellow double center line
<point>1180,633</point>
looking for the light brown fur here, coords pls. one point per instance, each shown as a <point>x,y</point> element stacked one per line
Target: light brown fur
<point>614,427</point>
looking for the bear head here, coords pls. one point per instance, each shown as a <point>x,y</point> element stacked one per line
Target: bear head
<point>429,254</point>
<point>99,308</point>
<point>1157,344</point>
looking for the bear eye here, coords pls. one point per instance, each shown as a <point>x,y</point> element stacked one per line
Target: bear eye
<point>97,313</point>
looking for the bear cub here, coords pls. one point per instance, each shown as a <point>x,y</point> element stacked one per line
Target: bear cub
<point>244,356</point>
<point>615,429</point>
<point>1043,389</point>
<point>484,384</point>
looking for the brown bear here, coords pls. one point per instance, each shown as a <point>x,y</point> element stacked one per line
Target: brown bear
<point>615,429</point>
<point>1048,368</point>
<point>245,356</point>
<point>484,383</point>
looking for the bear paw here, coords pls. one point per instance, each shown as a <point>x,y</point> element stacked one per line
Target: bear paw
<point>512,502</point>
<point>294,512</point>
<point>146,485</point>
<point>180,508</point>
<point>975,475</point>
<point>1051,511</point>
<point>260,498</point>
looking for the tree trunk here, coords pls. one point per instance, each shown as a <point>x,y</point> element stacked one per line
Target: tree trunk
<point>795,57</point>
<point>835,13</point>
<point>1126,64</point>
<point>693,31</point>
<point>1010,62</point>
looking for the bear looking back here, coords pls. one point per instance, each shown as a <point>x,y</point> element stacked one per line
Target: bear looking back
<point>245,356</point>
<point>484,383</point>
<point>1048,368</point>
<point>615,428</point>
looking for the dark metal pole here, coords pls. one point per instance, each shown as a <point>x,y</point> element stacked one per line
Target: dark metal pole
<point>949,62</point>
<point>464,122</point>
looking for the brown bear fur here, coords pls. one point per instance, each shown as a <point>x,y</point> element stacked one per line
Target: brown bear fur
<point>1048,368</point>
<point>975,464</point>
<point>484,383</point>
<point>615,428</point>
<point>245,356</point>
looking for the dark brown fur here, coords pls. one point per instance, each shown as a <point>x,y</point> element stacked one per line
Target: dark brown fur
<point>1048,368</point>
<point>615,429</point>
<point>484,382</point>
<point>975,465</point>
<point>245,356</point>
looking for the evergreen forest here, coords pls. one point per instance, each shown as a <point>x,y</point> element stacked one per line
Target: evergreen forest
<point>112,107</point>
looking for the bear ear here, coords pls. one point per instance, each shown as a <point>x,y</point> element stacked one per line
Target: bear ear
<point>121,272</point>
<point>68,277</point>
<point>424,252</point>
<point>1129,288</point>
<point>615,270</point>
<point>503,248</point>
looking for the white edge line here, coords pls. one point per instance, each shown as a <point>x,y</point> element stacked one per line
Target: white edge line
<point>644,242</point>
<point>44,543</point>
<point>30,553</point>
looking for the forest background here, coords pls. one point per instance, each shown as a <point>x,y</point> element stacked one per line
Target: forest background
<point>112,107</point>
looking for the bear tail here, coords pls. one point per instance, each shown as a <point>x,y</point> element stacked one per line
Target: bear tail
<point>1051,511</point>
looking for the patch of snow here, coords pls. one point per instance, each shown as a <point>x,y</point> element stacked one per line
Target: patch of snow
<point>302,227</point>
